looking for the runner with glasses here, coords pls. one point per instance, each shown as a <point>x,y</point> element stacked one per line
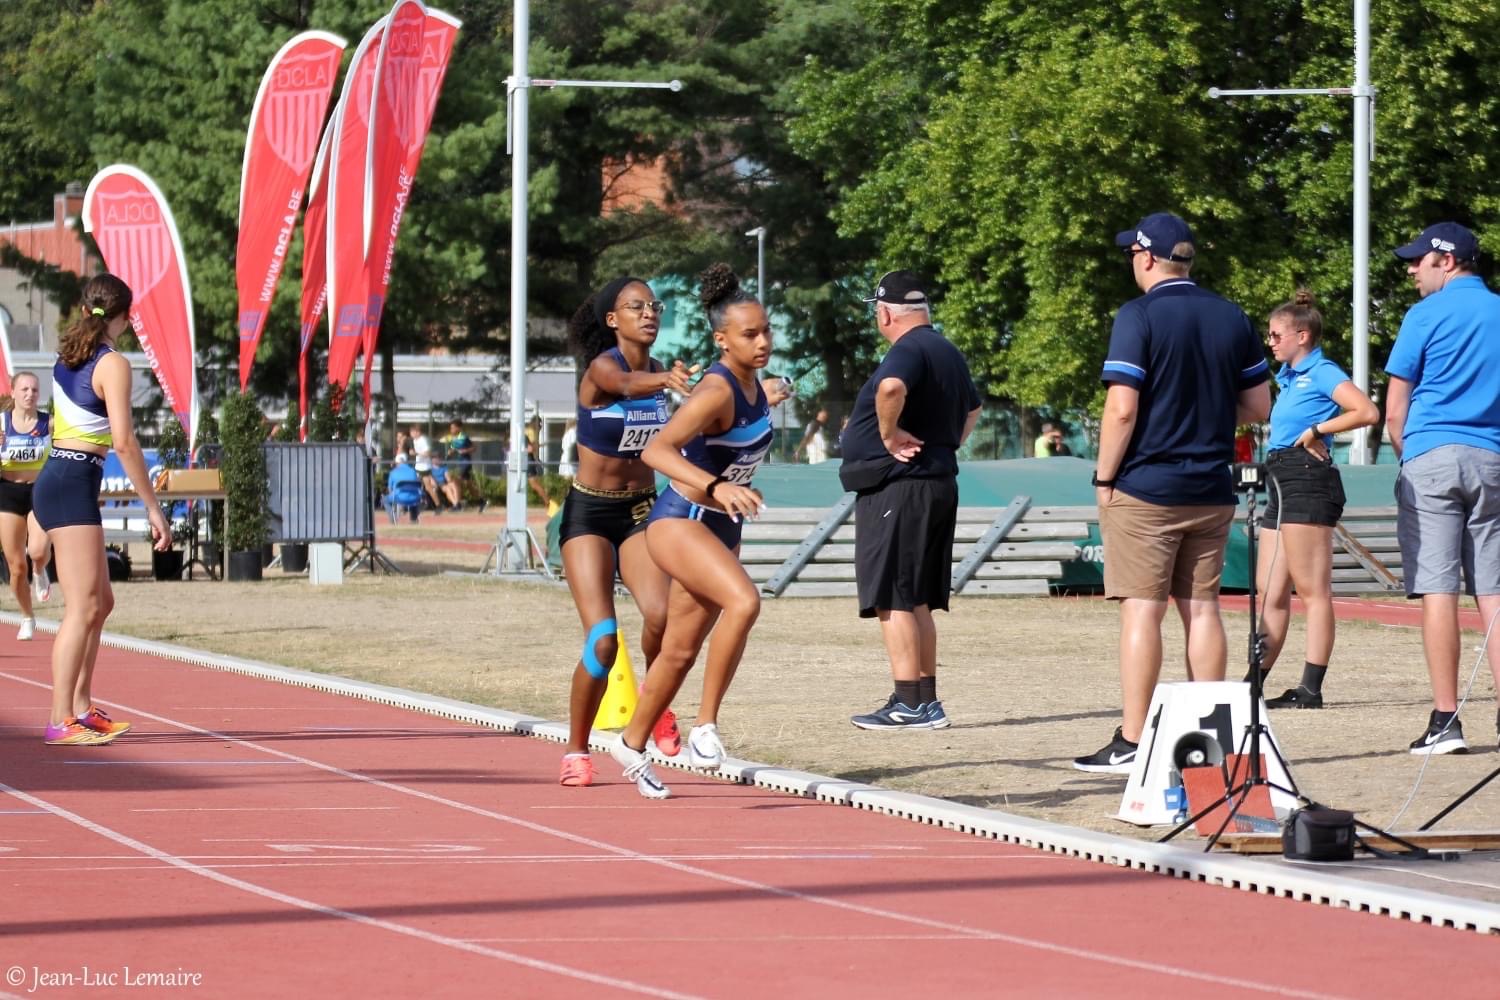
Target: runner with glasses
<point>622,404</point>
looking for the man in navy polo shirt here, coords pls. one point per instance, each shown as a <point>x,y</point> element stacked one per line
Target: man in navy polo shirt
<point>1443,419</point>
<point>1184,368</point>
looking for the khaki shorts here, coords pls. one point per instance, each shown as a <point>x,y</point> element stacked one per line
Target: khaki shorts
<point>1155,552</point>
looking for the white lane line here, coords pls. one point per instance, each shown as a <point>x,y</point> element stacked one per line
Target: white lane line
<point>330,911</point>
<point>838,904</point>
<point>258,809</point>
<point>726,939</point>
<point>172,763</point>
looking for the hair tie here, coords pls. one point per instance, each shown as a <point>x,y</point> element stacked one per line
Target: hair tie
<point>97,311</point>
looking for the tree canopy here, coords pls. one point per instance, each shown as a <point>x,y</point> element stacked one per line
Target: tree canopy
<point>994,145</point>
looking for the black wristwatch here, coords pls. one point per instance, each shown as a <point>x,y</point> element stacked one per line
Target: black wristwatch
<point>1106,483</point>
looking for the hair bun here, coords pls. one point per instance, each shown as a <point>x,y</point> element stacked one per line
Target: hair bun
<point>716,284</point>
<point>1304,298</point>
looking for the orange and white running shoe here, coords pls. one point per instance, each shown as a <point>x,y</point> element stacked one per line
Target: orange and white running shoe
<point>96,719</point>
<point>666,734</point>
<point>577,770</point>
<point>74,733</point>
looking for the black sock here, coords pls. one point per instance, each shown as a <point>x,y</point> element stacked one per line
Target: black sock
<point>907,694</point>
<point>927,689</point>
<point>1312,676</point>
<point>1440,718</point>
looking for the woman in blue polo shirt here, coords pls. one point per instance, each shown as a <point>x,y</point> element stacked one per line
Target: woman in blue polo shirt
<point>1316,401</point>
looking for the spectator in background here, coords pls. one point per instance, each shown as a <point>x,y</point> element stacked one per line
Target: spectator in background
<point>461,464</point>
<point>1050,444</point>
<point>447,488</point>
<point>814,439</point>
<point>403,489</point>
<point>569,459</point>
<point>535,471</point>
<point>422,461</point>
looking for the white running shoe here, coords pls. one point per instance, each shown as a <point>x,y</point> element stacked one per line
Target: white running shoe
<point>41,584</point>
<point>705,749</point>
<point>639,770</point>
<point>28,629</point>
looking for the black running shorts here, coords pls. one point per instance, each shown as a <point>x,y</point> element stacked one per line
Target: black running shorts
<point>15,498</point>
<point>903,545</point>
<point>613,517</point>
<point>1302,490</point>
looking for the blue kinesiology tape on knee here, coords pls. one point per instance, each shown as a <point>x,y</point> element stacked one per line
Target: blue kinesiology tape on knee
<point>591,660</point>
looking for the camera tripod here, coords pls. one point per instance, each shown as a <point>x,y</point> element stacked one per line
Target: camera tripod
<point>1250,478</point>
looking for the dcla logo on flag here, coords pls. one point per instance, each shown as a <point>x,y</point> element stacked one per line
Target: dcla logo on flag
<point>134,240</point>
<point>399,77</point>
<point>299,97</point>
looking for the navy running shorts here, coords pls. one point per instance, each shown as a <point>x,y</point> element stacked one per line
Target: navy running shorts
<point>673,504</point>
<point>67,490</point>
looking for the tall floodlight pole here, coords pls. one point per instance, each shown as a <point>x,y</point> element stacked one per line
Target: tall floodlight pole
<point>1364,143</point>
<point>759,232</point>
<point>517,545</point>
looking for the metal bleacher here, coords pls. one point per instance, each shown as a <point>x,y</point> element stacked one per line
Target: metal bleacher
<point>1018,549</point>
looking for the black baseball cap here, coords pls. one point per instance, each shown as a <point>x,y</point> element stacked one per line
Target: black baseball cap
<point>1158,233</point>
<point>901,288</point>
<point>1441,237</point>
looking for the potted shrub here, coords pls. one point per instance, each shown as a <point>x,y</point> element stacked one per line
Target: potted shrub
<point>171,453</point>
<point>243,472</point>
<point>293,554</point>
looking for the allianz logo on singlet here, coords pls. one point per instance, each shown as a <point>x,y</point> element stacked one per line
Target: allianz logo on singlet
<point>645,416</point>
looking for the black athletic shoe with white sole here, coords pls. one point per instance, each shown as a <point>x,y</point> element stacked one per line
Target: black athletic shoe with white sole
<point>1115,757</point>
<point>1297,697</point>
<point>1441,737</point>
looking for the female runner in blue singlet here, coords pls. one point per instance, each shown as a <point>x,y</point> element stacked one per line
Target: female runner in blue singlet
<point>622,404</point>
<point>27,435</point>
<point>710,449</point>
<point>90,413</point>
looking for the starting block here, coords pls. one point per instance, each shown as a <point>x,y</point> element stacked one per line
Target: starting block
<point>1193,725</point>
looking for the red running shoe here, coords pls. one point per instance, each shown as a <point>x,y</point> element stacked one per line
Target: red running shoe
<point>668,739</point>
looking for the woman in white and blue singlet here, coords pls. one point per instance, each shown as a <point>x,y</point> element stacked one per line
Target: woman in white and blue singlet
<point>27,435</point>
<point>90,413</point>
<point>710,450</point>
<point>622,404</point>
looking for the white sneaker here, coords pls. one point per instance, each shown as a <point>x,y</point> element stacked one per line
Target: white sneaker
<point>41,584</point>
<point>639,770</point>
<point>705,749</point>
<point>28,629</point>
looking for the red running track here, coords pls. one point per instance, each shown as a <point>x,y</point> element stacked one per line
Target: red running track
<point>279,842</point>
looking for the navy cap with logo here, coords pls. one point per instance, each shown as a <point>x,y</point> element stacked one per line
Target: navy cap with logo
<point>899,288</point>
<point>1441,237</point>
<point>1159,233</point>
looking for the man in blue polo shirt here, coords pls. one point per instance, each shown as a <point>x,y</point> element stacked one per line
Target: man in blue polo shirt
<point>1443,419</point>
<point>1184,368</point>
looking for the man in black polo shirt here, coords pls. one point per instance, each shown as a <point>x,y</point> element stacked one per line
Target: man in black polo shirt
<point>1184,369</point>
<point>900,455</point>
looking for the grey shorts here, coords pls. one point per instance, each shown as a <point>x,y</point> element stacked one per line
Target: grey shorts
<point>1448,521</point>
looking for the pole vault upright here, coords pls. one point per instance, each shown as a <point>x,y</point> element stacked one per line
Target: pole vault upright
<point>513,551</point>
<point>1364,148</point>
